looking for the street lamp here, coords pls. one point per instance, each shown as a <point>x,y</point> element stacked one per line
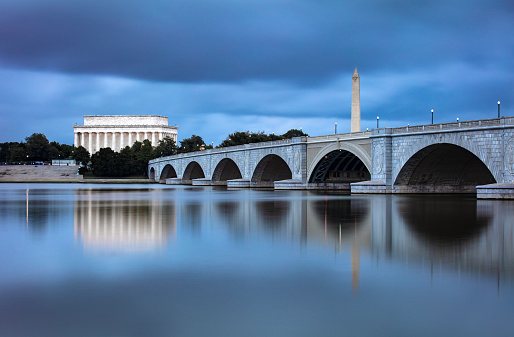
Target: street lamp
<point>498,109</point>
<point>432,116</point>
<point>335,128</point>
<point>377,121</point>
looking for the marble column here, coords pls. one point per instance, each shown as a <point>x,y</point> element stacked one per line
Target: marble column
<point>122,139</point>
<point>76,143</point>
<point>138,136</point>
<point>82,139</point>
<point>90,142</point>
<point>97,142</point>
<point>113,141</point>
<point>130,139</point>
<point>154,143</point>
<point>106,139</point>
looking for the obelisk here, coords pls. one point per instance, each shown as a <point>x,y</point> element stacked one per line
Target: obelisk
<point>356,102</point>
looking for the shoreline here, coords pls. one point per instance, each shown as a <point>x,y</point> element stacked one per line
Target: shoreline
<point>81,181</point>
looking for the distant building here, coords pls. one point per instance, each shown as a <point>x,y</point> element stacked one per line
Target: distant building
<point>64,162</point>
<point>117,132</point>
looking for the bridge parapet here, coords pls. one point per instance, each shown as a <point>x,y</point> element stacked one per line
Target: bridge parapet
<point>236,148</point>
<point>339,136</point>
<point>441,127</point>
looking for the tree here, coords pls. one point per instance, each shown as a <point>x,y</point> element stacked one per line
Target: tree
<point>6,151</point>
<point>236,138</point>
<point>143,154</point>
<point>103,163</point>
<point>18,153</point>
<point>240,138</point>
<point>191,144</point>
<point>38,147</point>
<point>64,151</point>
<point>166,147</point>
<point>81,155</point>
<point>294,133</point>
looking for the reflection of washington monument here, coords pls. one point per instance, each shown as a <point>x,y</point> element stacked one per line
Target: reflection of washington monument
<point>111,222</point>
<point>418,231</point>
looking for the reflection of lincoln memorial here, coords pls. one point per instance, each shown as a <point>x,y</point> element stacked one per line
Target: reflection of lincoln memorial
<point>105,222</point>
<point>424,231</point>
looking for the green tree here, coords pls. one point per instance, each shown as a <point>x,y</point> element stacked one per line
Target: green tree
<point>191,144</point>
<point>6,151</point>
<point>103,163</point>
<point>18,153</point>
<point>81,155</point>
<point>294,133</point>
<point>143,154</point>
<point>237,138</point>
<point>64,150</point>
<point>125,163</point>
<point>166,147</point>
<point>38,147</point>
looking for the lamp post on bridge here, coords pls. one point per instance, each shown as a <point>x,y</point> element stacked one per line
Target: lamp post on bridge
<point>335,128</point>
<point>498,109</point>
<point>377,121</point>
<point>432,116</point>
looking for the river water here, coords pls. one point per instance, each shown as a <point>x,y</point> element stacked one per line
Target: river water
<point>156,260</point>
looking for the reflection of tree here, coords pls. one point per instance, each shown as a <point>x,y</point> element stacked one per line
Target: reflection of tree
<point>443,220</point>
<point>341,214</point>
<point>192,217</point>
<point>39,209</point>
<point>273,213</point>
<point>231,217</point>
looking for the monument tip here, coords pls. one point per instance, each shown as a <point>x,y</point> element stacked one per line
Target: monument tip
<point>355,73</point>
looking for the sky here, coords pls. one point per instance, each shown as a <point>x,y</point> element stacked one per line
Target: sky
<point>214,67</point>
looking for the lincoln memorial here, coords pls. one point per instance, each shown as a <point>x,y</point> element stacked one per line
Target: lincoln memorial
<point>117,132</point>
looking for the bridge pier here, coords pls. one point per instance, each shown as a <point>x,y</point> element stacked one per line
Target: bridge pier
<point>496,191</point>
<point>238,183</point>
<point>201,182</point>
<point>289,184</point>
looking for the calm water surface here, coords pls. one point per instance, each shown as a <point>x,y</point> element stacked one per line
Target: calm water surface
<point>153,260</point>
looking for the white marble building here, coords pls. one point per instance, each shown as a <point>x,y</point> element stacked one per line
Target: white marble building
<point>118,131</point>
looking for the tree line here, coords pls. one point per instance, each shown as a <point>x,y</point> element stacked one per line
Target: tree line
<point>131,160</point>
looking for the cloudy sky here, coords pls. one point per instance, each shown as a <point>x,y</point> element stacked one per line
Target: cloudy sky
<point>218,66</point>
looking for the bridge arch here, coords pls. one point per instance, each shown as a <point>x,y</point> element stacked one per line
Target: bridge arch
<point>270,168</point>
<point>226,169</point>
<point>340,163</point>
<point>151,173</point>
<point>443,168</point>
<point>192,171</point>
<point>417,144</point>
<point>167,172</point>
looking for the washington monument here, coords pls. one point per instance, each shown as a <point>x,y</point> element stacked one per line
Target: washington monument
<point>356,102</point>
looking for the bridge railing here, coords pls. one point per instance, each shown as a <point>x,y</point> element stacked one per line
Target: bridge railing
<point>273,143</point>
<point>447,126</point>
<point>339,136</point>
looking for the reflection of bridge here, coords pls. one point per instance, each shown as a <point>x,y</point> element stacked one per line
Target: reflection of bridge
<point>422,231</point>
<point>450,157</point>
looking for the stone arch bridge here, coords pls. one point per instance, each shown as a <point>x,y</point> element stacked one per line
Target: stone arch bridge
<point>435,158</point>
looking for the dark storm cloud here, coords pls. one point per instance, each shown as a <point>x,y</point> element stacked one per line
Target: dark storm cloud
<point>253,64</point>
<point>223,40</point>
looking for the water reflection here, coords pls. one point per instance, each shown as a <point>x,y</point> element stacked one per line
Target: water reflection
<point>444,220</point>
<point>449,232</point>
<point>106,222</point>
